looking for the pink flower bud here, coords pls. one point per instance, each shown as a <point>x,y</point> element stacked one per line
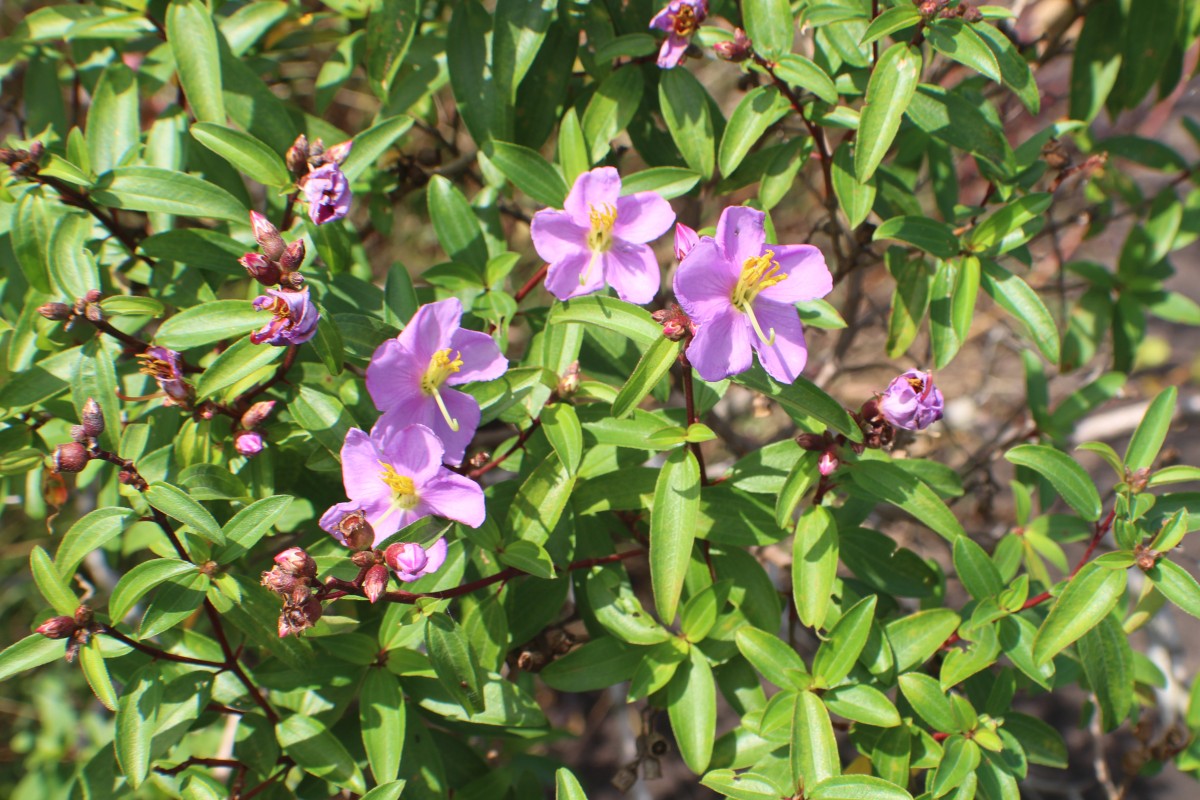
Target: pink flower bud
<point>296,561</point>
<point>267,236</point>
<point>293,256</point>
<point>406,558</point>
<point>685,240</point>
<point>248,443</point>
<point>375,582</point>
<point>257,414</point>
<point>57,627</point>
<point>675,321</point>
<point>297,156</point>
<point>261,268</point>
<point>827,463</point>
<point>736,49</point>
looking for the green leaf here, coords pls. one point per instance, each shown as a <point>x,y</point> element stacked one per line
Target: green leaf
<point>32,651</point>
<point>692,707</point>
<point>1151,432</point>
<point>862,703</point>
<point>127,306</point>
<point>1014,69</point>
<point>307,741</point>
<point>452,661</point>
<point>169,191</point>
<point>686,110</point>
<point>959,759</point>
<point>249,525</point>
<point>529,172</point>
<point>598,664</point>
<point>1008,218</point>
<point>241,360</point>
<point>741,785</point>
<point>566,786</point>
<point>855,197</point>
<point>176,600</point>
<point>193,41</point>
<point>135,583</point>
<point>137,714</point>
<point>71,266</point>
<point>1177,585</point>
<point>51,584</point>
<point>390,29</point>
<point>323,416</point>
<point>1014,295</point>
<point>951,118</point>
<point>800,71</point>
<point>611,314</point>
<point>959,41</point>
<point>95,670</point>
<point>769,25</point>
<point>670,182</point>
<point>247,154</point>
<point>840,649</point>
<point>890,21</point>
<point>455,222</point>
<point>857,787</point>
<point>528,556</point>
<point>776,661</point>
<point>1088,598</point>
<point>540,501</point>
<point>918,636</point>
<point>761,108</point>
<point>93,530</point>
<point>934,237</point>
<point>374,142</point>
<point>113,129</point>
<point>673,528</point>
<point>975,569</point>
<point>611,109</point>
<point>387,791</point>
<point>1107,661</point>
<point>382,717</point>
<point>929,700</point>
<point>1043,744</point>
<point>562,427</point>
<point>650,369</point>
<point>890,483</point>
<point>1069,479</point>
<point>803,398</point>
<point>177,504</point>
<point>630,45</point>
<point>889,91</point>
<point>814,750</point>
<point>814,564</point>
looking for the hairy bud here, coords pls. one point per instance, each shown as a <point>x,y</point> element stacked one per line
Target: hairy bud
<point>92,418</point>
<point>675,321</point>
<point>58,312</point>
<point>267,236</point>
<point>293,256</point>
<point>279,581</point>
<point>78,434</point>
<point>296,561</point>
<point>57,627</point>
<point>375,582</point>
<point>248,443</point>
<point>71,457</point>
<point>257,414</point>
<point>93,296</point>
<point>736,49</point>
<point>356,531</point>
<point>297,156</point>
<point>261,268</point>
<point>338,152</point>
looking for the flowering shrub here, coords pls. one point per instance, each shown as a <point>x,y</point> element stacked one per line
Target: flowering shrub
<point>306,521</point>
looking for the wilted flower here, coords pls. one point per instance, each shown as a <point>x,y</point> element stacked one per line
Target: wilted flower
<point>676,324</point>
<point>299,617</point>
<point>408,375</point>
<point>166,367</point>
<point>411,561</point>
<point>295,317</point>
<point>679,19</point>
<point>740,293</point>
<point>911,401</point>
<point>248,443</point>
<point>685,240</point>
<point>600,237</point>
<point>328,194</point>
<point>395,477</point>
<point>735,49</point>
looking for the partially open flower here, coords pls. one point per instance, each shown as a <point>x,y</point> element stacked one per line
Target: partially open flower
<point>685,239</point>
<point>827,463</point>
<point>248,443</point>
<point>411,561</point>
<point>328,194</point>
<point>911,401</point>
<point>166,367</point>
<point>295,317</point>
<point>680,19</point>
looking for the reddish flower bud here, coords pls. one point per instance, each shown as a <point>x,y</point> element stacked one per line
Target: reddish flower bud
<point>971,13</point>
<point>736,49</point>
<point>248,443</point>
<point>78,434</point>
<point>338,153</point>
<point>375,582</point>
<point>407,557</point>
<point>827,463</point>
<point>83,615</point>
<point>260,268</point>
<point>297,156</point>
<point>279,581</point>
<point>364,558</point>
<point>296,561</point>
<point>93,296</point>
<point>257,414</point>
<point>267,236</point>
<point>57,627</point>
<point>72,457</point>
<point>675,321</point>
<point>812,441</point>
<point>293,256</point>
<point>58,312</point>
<point>292,280</point>
<point>92,418</point>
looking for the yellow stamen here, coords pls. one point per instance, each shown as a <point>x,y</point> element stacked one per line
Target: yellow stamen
<point>600,237</point>
<point>441,367</point>
<point>685,21</point>
<point>917,384</point>
<point>758,273</point>
<point>155,367</point>
<point>404,491</point>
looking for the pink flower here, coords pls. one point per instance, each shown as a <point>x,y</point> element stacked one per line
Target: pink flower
<point>295,317</point>
<point>408,375</point>
<point>395,477</point>
<point>328,194</point>
<point>248,443</point>
<point>600,237</point>
<point>740,292</point>
<point>911,401</point>
<point>679,19</point>
<point>410,561</point>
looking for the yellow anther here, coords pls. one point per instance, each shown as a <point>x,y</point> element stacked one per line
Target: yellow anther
<point>441,367</point>
<point>404,491</point>
<point>685,21</point>
<point>600,238</point>
<point>758,273</point>
<point>155,367</point>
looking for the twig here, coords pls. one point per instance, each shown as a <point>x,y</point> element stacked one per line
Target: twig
<point>532,283</point>
<point>155,652</point>
<point>522,437</point>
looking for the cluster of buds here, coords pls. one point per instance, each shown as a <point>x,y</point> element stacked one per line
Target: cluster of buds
<point>87,307</point>
<point>279,262</point>
<point>293,578</point>
<point>676,324</point>
<point>318,174</point>
<point>826,445</point>
<point>75,455</point>
<point>23,163</point>
<point>737,49</point>
<point>948,9</point>
<point>249,441</point>
<point>78,629</point>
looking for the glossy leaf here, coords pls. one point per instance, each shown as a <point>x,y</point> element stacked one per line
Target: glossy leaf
<point>246,153</point>
<point>692,707</point>
<point>673,529</point>
<point>382,717</point>
<point>1065,475</point>
<point>318,752</point>
<point>1087,599</point>
<point>654,364</point>
<point>889,91</point>
<point>193,40</point>
<point>1152,430</point>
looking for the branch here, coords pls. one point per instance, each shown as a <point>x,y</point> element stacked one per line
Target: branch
<point>157,653</point>
<point>532,283</point>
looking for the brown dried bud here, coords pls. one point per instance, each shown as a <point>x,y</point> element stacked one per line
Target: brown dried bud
<point>292,280</point>
<point>356,531</point>
<point>675,321</point>
<point>297,156</point>
<point>58,312</point>
<point>257,414</point>
<point>375,583</point>
<point>568,384</point>
<point>267,236</point>
<point>812,441</point>
<point>261,268</point>
<point>71,457</point>
<point>625,778</point>
<point>78,434</point>
<point>970,13</point>
<point>297,562</point>
<point>93,313</point>
<point>279,581</point>
<point>57,627</point>
<point>92,418</point>
<point>316,152</point>
<point>338,153</point>
<point>736,50</point>
<point>293,256</point>
<point>365,558</point>
<point>93,296</point>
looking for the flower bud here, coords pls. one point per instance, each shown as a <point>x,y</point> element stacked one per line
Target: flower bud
<point>408,558</point>
<point>364,558</point>
<point>57,627</point>
<point>248,443</point>
<point>71,457</point>
<point>685,240</point>
<point>375,582</point>
<point>296,561</point>
<point>58,312</point>
<point>83,615</point>
<point>93,296</point>
<point>827,463</point>
<point>92,418</point>
<point>292,280</point>
<point>78,434</point>
<point>257,414</point>
<point>971,13</point>
<point>812,441</point>
<point>356,531</point>
<point>260,268</point>
<point>297,156</point>
<point>736,49</point>
<point>293,257</point>
<point>911,401</point>
<point>338,153</point>
<point>279,581</point>
<point>568,384</point>
<point>675,321</point>
<point>267,236</point>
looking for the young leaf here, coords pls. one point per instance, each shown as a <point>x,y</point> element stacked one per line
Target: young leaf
<point>566,786</point>
<point>845,640</point>
<point>1087,599</point>
<point>651,368</point>
<point>1151,431</point>
<point>673,528</point>
<point>562,427</point>
<point>769,25</point>
<point>1177,585</point>
<point>382,716</point>
<point>529,172</point>
<point>1065,475</point>
<point>889,91</point>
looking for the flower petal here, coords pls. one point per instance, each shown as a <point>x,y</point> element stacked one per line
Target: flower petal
<point>361,467</point>
<point>394,375</point>
<point>705,281</point>
<point>594,189</point>
<point>430,330</point>
<point>721,347</point>
<point>643,217</point>
<point>663,20</point>
<point>436,553</point>
<point>672,50</point>
<point>414,450</point>
<point>633,271</point>
<point>556,235</point>
<point>807,276</point>
<point>562,280</point>
<point>741,233</point>
<point>783,360</point>
<point>465,409</point>
<point>455,497</point>
<point>331,518</point>
<point>480,356</point>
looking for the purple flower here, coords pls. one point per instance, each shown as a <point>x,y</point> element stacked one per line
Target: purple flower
<point>295,317</point>
<point>328,194</point>
<point>740,292</point>
<point>166,367</point>
<point>395,477</point>
<point>408,375</point>
<point>600,237</point>
<point>410,561</point>
<point>911,401</point>
<point>248,443</point>
<point>679,19</point>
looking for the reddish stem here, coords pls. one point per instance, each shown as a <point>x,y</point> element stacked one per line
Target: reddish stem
<point>532,283</point>
<point>522,438</point>
<point>155,652</point>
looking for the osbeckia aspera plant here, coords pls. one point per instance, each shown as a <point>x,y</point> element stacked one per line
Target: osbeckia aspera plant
<point>680,19</point>
<point>294,317</point>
